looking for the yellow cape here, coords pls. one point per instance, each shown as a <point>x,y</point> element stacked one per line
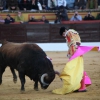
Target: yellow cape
<point>71,76</point>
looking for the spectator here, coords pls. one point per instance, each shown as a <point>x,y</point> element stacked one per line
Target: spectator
<point>62,14</point>
<point>2,4</point>
<point>52,4</point>
<point>32,19</point>
<point>80,4</point>
<point>34,5</point>
<point>44,4</point>
<point>44,19</point>
<point>92,4</point>
<point>70,4</point>
<point>76,17</point>
<point>9,19</point>
<point>98,16</point>
<point>19,4</point>
<point>12,4</point>
<point>89,17</point>
<point>99,4</point>
<point>39,5</point>
<point>2,20</point>
<point>25,5</point>
<point>19,18</point>
<point>61,3</point>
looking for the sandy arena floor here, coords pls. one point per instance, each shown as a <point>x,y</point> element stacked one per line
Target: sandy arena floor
<point>11,91</point>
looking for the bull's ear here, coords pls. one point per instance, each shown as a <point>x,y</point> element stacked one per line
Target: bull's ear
<point>58,73</point>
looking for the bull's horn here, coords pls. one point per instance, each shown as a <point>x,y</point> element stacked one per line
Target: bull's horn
<point>42,79</point>
<point>58,73</point>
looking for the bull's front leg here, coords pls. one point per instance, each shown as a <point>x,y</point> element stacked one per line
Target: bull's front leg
<point>36,85</point>
<point>14,75</point>
<point>2,69</point>
<point>0,77</point>
<point>22,79</point>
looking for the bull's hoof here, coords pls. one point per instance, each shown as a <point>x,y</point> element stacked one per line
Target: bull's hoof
<point>15,80</point>
<point>0,82</point>
<point>36,89</point>
<point>22,91</point>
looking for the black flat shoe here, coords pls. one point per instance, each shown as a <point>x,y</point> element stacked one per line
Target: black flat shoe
<point>80,91</point>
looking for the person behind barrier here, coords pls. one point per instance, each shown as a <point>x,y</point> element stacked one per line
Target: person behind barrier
<point>9,19</point>
<point>98,16</point>
<point>76,17</point>
<point>32,19</point>
<point>61,14</point>
<point>89,16</point>
<point>19,17</point>
<point>1,20</point>
<point>43,19</point>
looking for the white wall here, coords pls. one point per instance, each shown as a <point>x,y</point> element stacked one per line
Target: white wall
<point>62,46</point>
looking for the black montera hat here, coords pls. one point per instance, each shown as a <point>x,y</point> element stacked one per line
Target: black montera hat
<point>62,29</point>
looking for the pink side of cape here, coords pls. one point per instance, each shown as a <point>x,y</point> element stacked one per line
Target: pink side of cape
<point>82,50</point>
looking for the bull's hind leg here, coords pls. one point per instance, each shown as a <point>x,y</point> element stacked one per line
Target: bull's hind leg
<point>2,67</point>
<point>36,85</point>
<point>14,75</point>
<point>0,77</point>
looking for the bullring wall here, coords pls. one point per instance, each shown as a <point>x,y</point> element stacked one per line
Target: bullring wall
<point>49,33</point>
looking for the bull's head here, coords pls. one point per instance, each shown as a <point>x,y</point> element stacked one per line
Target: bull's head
<point>47,75</point>
<point>46,79</point>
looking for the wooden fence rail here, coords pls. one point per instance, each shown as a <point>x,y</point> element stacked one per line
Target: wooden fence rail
<point>49,33</point>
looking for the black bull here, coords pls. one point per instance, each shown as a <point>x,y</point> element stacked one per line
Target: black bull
<point>27,59</point>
